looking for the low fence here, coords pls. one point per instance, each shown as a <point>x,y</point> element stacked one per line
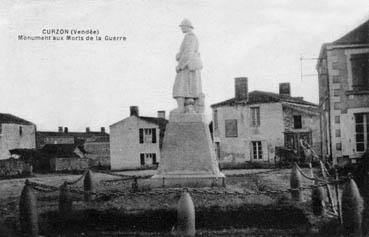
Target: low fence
<point>185,211</point>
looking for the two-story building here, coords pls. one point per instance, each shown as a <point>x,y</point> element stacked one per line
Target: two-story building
<point>343,69</point>
<point>135,142</point>
<point>15,133</point>
<point>251,125</point>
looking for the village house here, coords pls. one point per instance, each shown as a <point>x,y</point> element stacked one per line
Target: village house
<point>65,157</point>
<point>64,136</point>
<point>251,125</point>
<point>135,142</point>
<point>15,133</point>
<point>343,69</point>
<point>65,144</point>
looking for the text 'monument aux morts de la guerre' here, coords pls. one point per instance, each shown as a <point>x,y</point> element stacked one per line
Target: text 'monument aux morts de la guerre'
<point>72,35</point>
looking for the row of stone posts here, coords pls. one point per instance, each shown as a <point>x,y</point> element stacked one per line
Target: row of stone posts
<point>352,204</point>
<point>28,214</point>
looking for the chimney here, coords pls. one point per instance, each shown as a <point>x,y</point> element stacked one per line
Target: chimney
<point>60,129</point>
<point>241,88</point>
<point>161,114</point>
<point>65,129</point>
<point>285,89</point>
<point>87,129</point>
<point>134,111</point>
<point>102,129</point>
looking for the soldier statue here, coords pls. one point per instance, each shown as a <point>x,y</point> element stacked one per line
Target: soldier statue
<point>187,86</point>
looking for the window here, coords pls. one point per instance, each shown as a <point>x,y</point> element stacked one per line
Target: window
<point>255,116</point>
<point>231,128</point>
<point>297,121</point>
<point>362,131</point>
<point>148,158</point>
<point>338,133</point>
<point>217,150</point>
<point>20,131</point>
<point>257,151</point>
<point>337,119</point>
<point>142,159</point>
<point>147,135</point>
<point>215,118</point>
<point>360,71</point>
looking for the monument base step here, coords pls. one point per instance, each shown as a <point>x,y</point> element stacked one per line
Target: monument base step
<point>190,181</point>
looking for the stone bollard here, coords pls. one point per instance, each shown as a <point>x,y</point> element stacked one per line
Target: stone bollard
<point>65,201</point>
<point>352,209</point>
<point>317,200</point>
<point>135,185</point>
<point>295,182</point>
<point>28,215</point>
<point>185,216</point>
<point>89,187</point>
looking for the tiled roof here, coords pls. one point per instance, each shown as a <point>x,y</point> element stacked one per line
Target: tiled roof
<point>260,97</point>
<point>359,35</point>
<point>9,118</point>
<point>98,139</point>
<point>71,134</point>
<point>61,150</point>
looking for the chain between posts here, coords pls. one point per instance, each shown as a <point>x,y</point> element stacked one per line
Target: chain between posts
<point>123,175</point>
<point>135,191</point>
<point>256,173</point>
<point>79,179</point>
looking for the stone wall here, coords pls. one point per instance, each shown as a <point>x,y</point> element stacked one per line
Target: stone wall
<point>98,153</point>
<point>68,164</point>
<point>13,167</point>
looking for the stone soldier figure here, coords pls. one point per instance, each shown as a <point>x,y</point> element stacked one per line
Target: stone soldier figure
<point>187,86</point>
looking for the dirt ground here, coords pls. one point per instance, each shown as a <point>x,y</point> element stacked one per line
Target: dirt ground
<point>115,195</point>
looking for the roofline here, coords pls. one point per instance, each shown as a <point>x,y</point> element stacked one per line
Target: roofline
<point>139,117</point>
<point>233,100</point>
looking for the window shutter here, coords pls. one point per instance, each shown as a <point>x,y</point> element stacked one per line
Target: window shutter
<point>142,158</point>
<point>258,116</point>
<point>154,158</point>
<point>141,135</point>
<point>154,135</point>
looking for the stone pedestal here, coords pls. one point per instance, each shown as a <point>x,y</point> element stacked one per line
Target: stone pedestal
<point>188,157</point>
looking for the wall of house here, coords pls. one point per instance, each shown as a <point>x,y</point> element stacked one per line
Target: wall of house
<point>310,122</point>
<point>11,138</point>
<point>270,132</point>
<point>344,102</point>
<point>68,164</point>
<point>125,148</point>
<point>98,152</point>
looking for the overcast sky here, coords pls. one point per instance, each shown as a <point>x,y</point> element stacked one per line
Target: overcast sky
<point>80,83</point>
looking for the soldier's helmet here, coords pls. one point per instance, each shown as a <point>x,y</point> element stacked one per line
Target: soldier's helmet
<point>186,22</point>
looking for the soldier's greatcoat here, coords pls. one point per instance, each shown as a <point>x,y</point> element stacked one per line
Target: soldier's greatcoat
<point>188,79</point>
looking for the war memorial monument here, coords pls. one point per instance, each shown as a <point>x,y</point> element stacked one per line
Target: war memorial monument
<point>188,158</point>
